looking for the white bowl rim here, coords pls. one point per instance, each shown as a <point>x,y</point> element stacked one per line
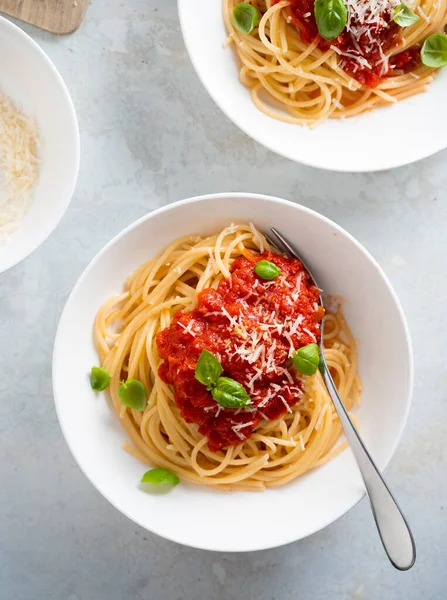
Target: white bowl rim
<point>240,123</point>
<point>240,195</point>
<point>71,184</point>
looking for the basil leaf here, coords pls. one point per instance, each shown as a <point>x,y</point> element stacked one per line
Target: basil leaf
<point>133,394</point>
<point>230,393</point>
<point>434,51</point>
<point>157,476</point>
<point>267,270</point>
<point>331,17</point>
<point>99,379</point>
<point>245,17</point>
<point>208,369</point>
<point>404,16</point>
<point>307,359</point>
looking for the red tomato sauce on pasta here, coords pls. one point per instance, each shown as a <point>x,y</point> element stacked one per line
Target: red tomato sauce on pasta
<point>361,55</point>
<point>252,327</point>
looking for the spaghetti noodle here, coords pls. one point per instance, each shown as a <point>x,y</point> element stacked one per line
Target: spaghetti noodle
<point>298,77</point>
<point>125,332</point>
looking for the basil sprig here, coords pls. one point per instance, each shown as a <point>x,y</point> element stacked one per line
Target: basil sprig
<point>331,17</point>
<point>245,17</point>
<point>307,359</point>
<point>434,51</point>
<point>404,16</point>
<point>225,391</point>
<point>208,369</point>
<point>229,393</point>
<point>267,270</point>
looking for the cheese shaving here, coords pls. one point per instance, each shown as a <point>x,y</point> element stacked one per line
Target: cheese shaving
<point>19,165</point>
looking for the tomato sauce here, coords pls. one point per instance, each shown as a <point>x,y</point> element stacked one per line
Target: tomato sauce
<point>252,327</point>
<point>371,45</point>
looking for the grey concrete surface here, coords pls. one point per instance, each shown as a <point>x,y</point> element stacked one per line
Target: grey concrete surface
<point>150,135</point>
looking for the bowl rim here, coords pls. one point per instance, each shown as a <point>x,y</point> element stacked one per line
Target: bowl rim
<point>240,123</point>
<point>71,183</point>
<point>127,230</point>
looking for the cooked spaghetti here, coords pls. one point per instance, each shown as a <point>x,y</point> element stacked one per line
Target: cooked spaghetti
<point>203,293</point>
<point>297,76</point>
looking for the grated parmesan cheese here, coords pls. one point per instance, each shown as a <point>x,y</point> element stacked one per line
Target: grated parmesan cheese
<point>363,18</point>
<point>284,401</point>
<point>188,328</point>
<point>19,165</point>
<point>237,428</point>
<point>337,104</point>
<point>310,333</point>
<point>321,416</point>
<point>422,14</point>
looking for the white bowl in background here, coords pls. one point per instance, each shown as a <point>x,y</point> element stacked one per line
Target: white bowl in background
<point>238,521</point>
<point>31,80</point>
<point>381,139</point>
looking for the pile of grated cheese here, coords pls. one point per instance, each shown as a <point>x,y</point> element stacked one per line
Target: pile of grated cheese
<point>363,16</point>
<point>19,165</point>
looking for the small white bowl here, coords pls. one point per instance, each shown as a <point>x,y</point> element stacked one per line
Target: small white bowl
<point>382,139</point>
<point>238,521</point>
<point>31,80</point>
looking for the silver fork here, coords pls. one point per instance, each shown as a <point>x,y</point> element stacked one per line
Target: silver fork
<point>393,529</point>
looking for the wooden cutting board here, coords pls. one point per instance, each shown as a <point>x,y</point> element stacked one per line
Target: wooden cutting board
<point>57,16</point>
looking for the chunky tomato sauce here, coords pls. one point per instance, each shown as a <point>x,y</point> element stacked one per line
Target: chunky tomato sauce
<point>252,326</point>
<point>362,48</point>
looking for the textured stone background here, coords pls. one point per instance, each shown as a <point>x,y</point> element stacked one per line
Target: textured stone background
<point>150,135</point>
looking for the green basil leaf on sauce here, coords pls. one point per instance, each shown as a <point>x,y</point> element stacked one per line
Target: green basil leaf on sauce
<point>245,17</point>
<point>99,379</point>
<point>230,393</point>
<point>434,51</point>
<point>267,270</point>
<point>132,394</point>
<point>157,476</point>
<point>404,16</point>
<point>331,17</point>
<point>307,359</point>
<point>208,369</point>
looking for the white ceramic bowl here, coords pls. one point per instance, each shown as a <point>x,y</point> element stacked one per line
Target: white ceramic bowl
<point>384,138</point>
<point>31,80</point>
<point>238,521</point>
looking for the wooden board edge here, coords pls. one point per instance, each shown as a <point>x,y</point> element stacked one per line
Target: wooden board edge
<point>58,31</point>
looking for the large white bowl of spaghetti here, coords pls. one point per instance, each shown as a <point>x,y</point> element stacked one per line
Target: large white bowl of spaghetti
<point>363,101</point>
<point>184,279</point>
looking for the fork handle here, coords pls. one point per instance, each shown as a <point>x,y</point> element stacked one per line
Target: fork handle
<point>394,531</point>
